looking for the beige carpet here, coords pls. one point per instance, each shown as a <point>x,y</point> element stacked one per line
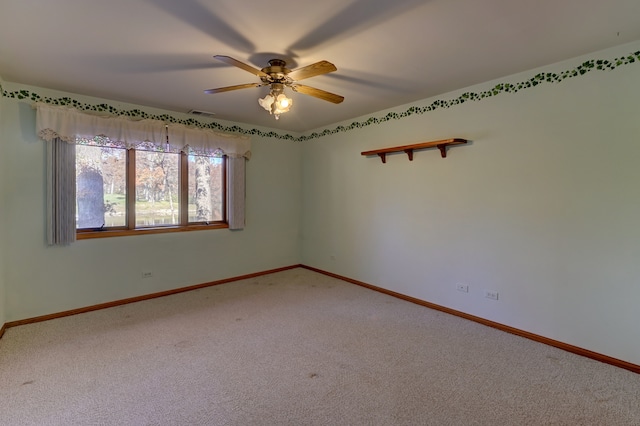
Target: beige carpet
<point>297,348</point>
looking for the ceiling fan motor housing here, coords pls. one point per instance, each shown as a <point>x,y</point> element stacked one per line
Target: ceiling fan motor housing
<point>276,71</point>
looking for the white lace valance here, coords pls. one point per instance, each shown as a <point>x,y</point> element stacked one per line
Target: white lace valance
<point>71,125</point>
<point>204,141</point>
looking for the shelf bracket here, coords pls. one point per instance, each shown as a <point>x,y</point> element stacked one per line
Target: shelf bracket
<point>443,150</point>
<point>409,153</point>
<point>383,156</point>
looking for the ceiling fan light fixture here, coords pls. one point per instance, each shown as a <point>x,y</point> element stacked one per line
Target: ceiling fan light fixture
<point>276,102</point>
<point>283,104</point>
<point>266,102</point>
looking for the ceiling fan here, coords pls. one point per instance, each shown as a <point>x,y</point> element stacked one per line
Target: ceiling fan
<point>278,76</point>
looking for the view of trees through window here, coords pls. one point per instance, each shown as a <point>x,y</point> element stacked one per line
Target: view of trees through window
<point>157,199</point>
<point>205,189</point>
<point>102,185</point>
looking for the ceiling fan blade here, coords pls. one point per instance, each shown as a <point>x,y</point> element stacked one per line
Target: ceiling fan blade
<point>229,88</point>
<point>320,94</point>
<point>319,68</point>
<point>236,63</point>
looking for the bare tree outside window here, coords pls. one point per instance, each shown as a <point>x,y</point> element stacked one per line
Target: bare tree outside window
<point>205,189</point>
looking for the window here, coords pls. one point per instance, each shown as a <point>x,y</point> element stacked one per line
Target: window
<point>122,191</point>
<point>101,187</point>
<point>159,177</point>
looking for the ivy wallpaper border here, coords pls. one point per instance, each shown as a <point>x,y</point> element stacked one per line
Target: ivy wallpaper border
<point>501,88</point>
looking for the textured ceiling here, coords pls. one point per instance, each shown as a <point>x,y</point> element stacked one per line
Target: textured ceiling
<point>159,53</point>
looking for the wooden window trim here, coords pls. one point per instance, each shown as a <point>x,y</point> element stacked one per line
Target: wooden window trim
<point>131,189</point>
<point>85,235</point>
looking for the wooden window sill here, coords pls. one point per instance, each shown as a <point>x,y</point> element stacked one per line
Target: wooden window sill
<point>86,235</point>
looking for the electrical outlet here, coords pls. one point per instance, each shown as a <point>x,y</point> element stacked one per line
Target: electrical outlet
<point>462,288</point>
<point>147,274</point>
<point>490,294</point>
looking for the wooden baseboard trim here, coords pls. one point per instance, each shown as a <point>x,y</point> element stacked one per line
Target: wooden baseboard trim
<point>139,298</point>
<point>541,339</point>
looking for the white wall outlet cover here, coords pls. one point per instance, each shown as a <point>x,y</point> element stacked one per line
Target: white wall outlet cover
<point>490,294</point>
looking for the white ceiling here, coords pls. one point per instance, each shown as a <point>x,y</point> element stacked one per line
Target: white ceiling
<point>159,53</point>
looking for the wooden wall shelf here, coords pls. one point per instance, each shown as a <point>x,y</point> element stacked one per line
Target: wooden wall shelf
<point>408,149</point>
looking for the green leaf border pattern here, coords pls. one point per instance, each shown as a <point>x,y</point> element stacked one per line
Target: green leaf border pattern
<point>501,88</point>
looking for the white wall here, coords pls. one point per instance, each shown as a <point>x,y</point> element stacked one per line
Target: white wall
<point>542,206</point>
<point>42,280</point>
